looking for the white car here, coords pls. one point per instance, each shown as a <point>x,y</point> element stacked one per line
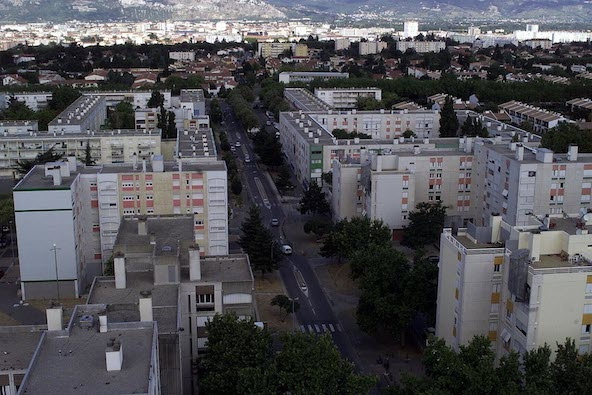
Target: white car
<point>286,249</point>
<point>237,144</point>
<point>247,159</point>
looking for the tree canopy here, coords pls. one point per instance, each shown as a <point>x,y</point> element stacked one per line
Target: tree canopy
<point>448,120</point>
<point>314,201</point>
<point>356,234</point>
<point>425,224</point>
<point>559,138</point>
<point>240,359</point>
<point>24,166</point>
<point>257,241</point>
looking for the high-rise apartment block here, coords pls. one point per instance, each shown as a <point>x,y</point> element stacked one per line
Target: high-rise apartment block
<point>410,29</point>
<point>347,99</point>
<point>86,113</point>
<point>83,206</point>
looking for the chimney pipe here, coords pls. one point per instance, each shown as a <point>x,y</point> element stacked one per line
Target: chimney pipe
<point>519,152</point>
<point>142,226</point>
<point>114,356</point>
<point>119,269</point>
<point>194,263</point>
<point>572,153</point>
<point>54,316</point>
<point>146,306</point>
<point>103,323</point>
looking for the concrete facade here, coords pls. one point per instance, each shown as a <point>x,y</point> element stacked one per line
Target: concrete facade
<point>87,113</point>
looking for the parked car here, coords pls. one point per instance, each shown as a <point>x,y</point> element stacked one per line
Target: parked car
<point>247,159</point>
<point>3,242</point>
<point>275,222</point>
<point>237,144</point>
<point>286,249</point>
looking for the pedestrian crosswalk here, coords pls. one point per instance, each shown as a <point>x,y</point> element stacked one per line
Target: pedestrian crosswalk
<point>320,328</point>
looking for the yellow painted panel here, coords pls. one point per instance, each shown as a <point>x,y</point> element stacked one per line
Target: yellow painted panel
<point>510,305</point>
<point>454,331</point>
<point>459,256</point>
<point>587,319</point>
<point>495,297</point>
<point>498,260</point>
<point>492,335</point>
<point>589,280</point>
<point>456,293</point>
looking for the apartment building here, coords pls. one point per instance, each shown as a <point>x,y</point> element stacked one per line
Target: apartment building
<point>580,104</point>
<point>86,113</point>
<point>187,289</point>
<point>83,207</point>
<point>87,353</point>
<point>147,119</point>
<point>388,184</point>
<point>522,286</point>
<point>34,100</point>
<point>193,102</point>
<point>421,46</point>
<point>371,47</point>
<point>410,28</point>
<point>342,43</point>
<point>138,98</point>
<point>541,120</point>
<point>300,51</point>
<point>18,127</point>
<point>182,55</point>
<point>517,180</point>
<point>272,50</point>
<point>346,99</point>
<point>308,76</point>
<point>106,146</point>
<point>470,283</point>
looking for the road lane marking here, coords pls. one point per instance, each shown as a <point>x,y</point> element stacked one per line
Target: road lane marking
<point>331,328</point>
<point>310,328</point>
<point>302,329</point>
<point>317,329</point>
<point>324,327</point>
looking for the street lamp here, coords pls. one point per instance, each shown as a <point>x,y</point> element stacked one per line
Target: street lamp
<point>293,300</point>
<point>55,259</point>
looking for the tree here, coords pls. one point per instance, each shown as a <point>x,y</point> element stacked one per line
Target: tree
<point>236,349</point>
<point>289,306</point>
<point>122,116</point>
<point>425,224</point>
<point>356,234</point>
<point>162,123</point>
<point>236,186</point>
<point>24,166</point>
<point>257,241</point>
<point>215,111</point>
<point>314,201</point>
<point>6,210</point>
<point>330,375</point>
<point>383,283</point>
<point>473,127</point>
<point>156,100</point>
<point>318,226</point>
<point>62,97</point>
<point>88,160</point>
<point>408,134</point>
<point>448,120</point>
<point>284,179</point>
<point>565,134</point>
<point>268,147</point>
<point>171,129</point>
<point>423,288</point>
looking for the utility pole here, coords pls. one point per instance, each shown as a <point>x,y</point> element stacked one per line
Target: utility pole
<point>55,259</point>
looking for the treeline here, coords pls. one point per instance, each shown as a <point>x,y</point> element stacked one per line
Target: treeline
<point>487,91</point>
<point>240,99</point>
<point>473,370</point>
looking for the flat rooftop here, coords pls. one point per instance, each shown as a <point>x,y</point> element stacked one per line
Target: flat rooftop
<point>36,136</point>
<point>6,123</point>
<point>74,362</point>
<point>17,346</point>
<point>304,100</point>
<point>530,155</point>
<point>192,96</point>
<point>77,112</point>
<point>530,111</point>
<point>196,144</point>
<point>36,179</point>
<point>225,268</point>
<point>307,127</point>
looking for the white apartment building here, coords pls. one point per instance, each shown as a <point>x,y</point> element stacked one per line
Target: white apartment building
<point>107,146</point>
<point>387,185</point>
<point>86,113</point>
<point>541,120</point>
<point>410,29</point>
<point>522,286</point>
<point>34,100</point>
<point>371,47</point>
<point>272,50</point>
<point>307,76</point>
<point>138,98</point>
<point>345,99</point>
<point>421,46</point>
<point>182,55</point>
<point>193,102</point>
<point>516,180</point>
<point>83,207</point>
<point>18,127</point>
<point>342,43</point>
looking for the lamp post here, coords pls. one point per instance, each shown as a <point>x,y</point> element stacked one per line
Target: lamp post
<point>55,259</point>
<point>293,300</point>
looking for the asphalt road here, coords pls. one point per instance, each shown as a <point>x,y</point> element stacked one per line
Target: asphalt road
<point>315,314</point>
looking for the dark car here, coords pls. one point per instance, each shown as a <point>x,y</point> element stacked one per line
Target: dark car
<point>3,242</point>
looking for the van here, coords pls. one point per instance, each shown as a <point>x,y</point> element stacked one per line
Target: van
<point>286,249</point>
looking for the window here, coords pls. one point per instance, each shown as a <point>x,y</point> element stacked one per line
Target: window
<point>586,329</point>
<point>588,309</point>
<point>127,184</point>
<point>148,183</point>
<point>205,298</point>
<point>520,326</point>
<point>497,268</point>
<point>583,349</point>
<point>128,197</point>
<point>149,197</point>
<point>589,288</point>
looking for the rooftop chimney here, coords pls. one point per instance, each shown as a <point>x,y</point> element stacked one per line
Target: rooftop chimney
<point>103,323</point>
<point>114,356</point>
<point>572,153</point>
<point>142,226</point>
<point>146,306</point>
<point>119,269</point>
<point>157,164</point>
<point>194,263</point>
<point>54,318</point>
<point>72,162</point>
<point>144,166</point>
<point>519,152</point>
<point>416,150</point>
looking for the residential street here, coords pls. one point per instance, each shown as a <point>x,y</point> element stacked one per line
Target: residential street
<point>315,314</point>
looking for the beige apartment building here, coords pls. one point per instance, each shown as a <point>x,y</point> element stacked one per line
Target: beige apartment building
<point>522,286</point>
<point>107,146</point>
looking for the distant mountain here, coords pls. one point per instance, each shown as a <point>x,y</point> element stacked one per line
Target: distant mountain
<point>555,10</point>
<point>132,10</point>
